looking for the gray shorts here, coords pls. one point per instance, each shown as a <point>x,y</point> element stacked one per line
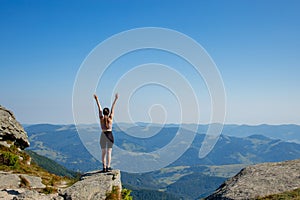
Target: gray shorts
<point>106,139</point>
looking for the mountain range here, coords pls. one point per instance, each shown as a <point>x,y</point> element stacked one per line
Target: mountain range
<point>189,177</point>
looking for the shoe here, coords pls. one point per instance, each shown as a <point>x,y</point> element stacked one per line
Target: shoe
<point>103,170</point>
<point>109,169</point>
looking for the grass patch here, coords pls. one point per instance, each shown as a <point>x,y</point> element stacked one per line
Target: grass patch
<point>10,159</point>
<point>290,195</point>
<point>126,194</point>
<point>116,194</point>
<point>16,161</point>
<point>49,190</point>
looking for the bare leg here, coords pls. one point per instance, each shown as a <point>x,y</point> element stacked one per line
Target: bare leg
<point>104,158</point>
<point>109,150</point>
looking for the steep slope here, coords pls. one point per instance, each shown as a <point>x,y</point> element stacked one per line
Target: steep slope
<point>62,144</point>
<point>20,178</point>
<point>50,165</point>
<point>260,180</point>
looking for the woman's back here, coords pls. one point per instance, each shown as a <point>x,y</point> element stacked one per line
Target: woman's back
<point>106,123</point>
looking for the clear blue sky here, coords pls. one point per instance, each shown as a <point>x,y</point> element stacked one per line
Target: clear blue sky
<point>255,44</point>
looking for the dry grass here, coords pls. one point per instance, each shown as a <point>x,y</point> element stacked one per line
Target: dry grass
<point>9,163</point>
<point>290,195</point>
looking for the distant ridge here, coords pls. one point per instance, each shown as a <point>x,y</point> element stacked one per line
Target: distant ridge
<point>241,151</point>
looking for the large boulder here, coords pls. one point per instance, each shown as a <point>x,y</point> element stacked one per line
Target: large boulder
<point>94,186</point>
<point>260,180</point>
<point>11,131</point>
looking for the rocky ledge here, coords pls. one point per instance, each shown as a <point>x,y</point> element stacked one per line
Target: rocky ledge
<point>11,131</point>
<point>23,186</point>
<point>260,180</point>
<point>92,186</point>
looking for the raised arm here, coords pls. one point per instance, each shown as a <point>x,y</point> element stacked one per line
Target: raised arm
<point>113,106</point>
<point>99,106</point>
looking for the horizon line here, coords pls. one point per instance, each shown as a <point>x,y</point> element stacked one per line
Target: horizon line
<point>136,123</point>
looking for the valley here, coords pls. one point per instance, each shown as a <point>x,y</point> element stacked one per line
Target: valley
<point>189,177</point>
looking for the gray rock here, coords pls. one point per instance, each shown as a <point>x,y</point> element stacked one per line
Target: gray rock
<point>10,193</point>
<point>93,186</point>
<point>26,194</point>
<point>11,131</point>
<point>10,188</point>
<point>9,180</point>
<point>260,180</point>
<point>34,181</point>
<point>34,195</point>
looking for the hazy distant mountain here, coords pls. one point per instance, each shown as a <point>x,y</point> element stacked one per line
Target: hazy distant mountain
<point>289,132</point>
<point>62,143</point>
<point>234,150</point>
<point>189,177</point>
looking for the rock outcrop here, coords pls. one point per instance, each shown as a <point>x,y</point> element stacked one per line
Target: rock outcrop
<point>10,180</point>
<point>23,186</point>
<point>11,131</point>
<point>260,180</point>
<point>94,186</point>
<point>16,186</point>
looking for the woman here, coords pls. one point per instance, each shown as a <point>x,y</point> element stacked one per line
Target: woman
<point>107,138</point>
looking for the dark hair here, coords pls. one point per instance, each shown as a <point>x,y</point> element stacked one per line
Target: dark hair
<point>106,111</point>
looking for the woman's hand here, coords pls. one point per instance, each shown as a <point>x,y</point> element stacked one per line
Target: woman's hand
<point>95,96</point>
<point>116,96</point>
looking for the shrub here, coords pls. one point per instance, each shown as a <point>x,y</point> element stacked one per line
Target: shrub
<point>114,194</point>
<point>10,159</point>
<point>126,194</point>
